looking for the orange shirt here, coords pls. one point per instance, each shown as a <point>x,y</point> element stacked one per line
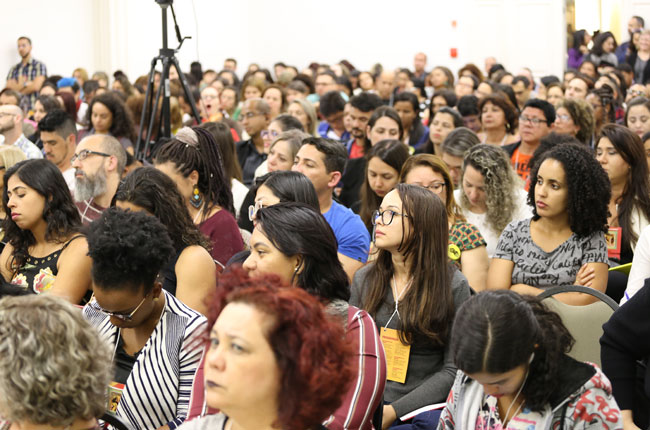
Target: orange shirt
<point>520,162</point>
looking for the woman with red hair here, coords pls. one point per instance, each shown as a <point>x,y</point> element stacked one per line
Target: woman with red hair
<point>276,360</point>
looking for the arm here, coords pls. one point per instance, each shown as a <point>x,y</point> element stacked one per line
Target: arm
<point>640,266</point>
<point>5,258</point>
<point>350,265</point>
<point>32,86</point>
<point>73,277</point>
<point>593,275</point>
<point>364,394</point>
<point>189,358</point>
<point>620,347</point>
<point>475,263</point>
<point>196,278</point>
<point>500,274</point>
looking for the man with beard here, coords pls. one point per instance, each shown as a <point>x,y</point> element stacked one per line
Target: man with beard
<point>59,137</point>
<point>11,127</point>
<point>27,76</point>
<point>98,162</point>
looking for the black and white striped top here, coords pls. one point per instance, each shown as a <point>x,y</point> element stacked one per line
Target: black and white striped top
<point>158,389</point>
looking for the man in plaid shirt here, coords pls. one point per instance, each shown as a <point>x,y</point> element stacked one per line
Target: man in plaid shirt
<point>27,76</point>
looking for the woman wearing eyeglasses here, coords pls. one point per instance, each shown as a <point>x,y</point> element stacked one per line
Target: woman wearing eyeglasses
<point>295,242</point>
<point>153,335</point>
<point>45,251</point>
<point>277,126</point>
<point>190,274</point>
<point>412,292</point>
<point>467,248</point>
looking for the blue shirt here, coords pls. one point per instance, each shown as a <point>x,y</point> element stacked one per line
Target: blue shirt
<point>351,234</point>
<point>326,131</point>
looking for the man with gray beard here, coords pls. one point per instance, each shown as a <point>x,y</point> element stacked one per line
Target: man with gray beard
<point>98,161</point>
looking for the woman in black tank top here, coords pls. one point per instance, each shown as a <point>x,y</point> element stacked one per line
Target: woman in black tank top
<point>45,251</point>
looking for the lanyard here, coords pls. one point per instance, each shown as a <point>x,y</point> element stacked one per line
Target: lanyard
<point>397,297</point>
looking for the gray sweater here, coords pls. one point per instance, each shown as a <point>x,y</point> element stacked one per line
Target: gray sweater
<point>431,370</point>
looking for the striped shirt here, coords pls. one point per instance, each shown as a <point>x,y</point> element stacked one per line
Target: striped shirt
<point>158,389</point>
<point>30,71</point>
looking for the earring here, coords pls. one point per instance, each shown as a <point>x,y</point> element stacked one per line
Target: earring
<point>196,200</point>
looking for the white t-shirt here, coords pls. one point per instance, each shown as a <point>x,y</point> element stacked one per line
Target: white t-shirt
<point>68,175</point>
<point>522,211</point>
<point>239,192</point>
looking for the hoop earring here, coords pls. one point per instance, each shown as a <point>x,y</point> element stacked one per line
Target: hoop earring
<point>197,199</point>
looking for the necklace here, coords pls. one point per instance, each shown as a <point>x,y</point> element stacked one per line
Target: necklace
<point>397,297</point>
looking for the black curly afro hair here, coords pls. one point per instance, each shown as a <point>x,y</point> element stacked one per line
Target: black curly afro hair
<point>128,249</point>
<point>589,188</point>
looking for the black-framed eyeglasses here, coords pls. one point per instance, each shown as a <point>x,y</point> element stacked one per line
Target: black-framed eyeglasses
<point>436,186</point>
<point>533,121</point>
<point>82,155</point>
<point>252,209</point>
<point>119,315</point>
<point>386,216</point>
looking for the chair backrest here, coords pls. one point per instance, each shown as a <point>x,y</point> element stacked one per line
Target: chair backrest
<point>116,422</point>
<point>585,323</point>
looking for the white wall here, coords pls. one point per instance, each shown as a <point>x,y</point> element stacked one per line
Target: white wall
<point>126,34</point>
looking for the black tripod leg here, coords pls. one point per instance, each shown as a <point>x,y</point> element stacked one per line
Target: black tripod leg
<point>147,104</point>
<point>186,90</point>
<point>165,111</point>
<point>152,116</point>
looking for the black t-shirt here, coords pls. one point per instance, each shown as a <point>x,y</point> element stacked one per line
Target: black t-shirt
<point>123,362</point>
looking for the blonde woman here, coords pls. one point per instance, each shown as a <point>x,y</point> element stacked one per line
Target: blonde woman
<point>491,194</point>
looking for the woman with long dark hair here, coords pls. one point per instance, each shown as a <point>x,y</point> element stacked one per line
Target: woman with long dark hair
<point>412,292</point>
<point>467,248</point>
<point>45,252</point>
<point>515,372</point>
<point>193,161</point>
<point>621,153</point>
<point>108,114</point>
<point>190,275</point>
<point>384,162</point>
<point>295,242</point>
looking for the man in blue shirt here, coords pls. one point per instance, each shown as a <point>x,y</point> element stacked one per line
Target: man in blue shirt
<point>323,161</point>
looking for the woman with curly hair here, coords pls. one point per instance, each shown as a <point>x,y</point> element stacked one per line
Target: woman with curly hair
<point>412,292</point>
<point>190,274</point>
<point>193,160</point>
<point>54,369</point>
<point>621,154</point>
<point>564,242</point>
<point>45,252</point>
<point>467,248</point>
<point>108,114</point>
<point>153,336</point>
<point>491,194</point>
<point>515,372</point>
<point>276,359</point>
<point>575,117</point>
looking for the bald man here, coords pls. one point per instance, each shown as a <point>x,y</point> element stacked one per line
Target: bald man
<point>384,86</point>
<point>11,127</point>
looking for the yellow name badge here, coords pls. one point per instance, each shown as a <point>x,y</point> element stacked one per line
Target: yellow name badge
<point>115,390</point>
<point>397,355</point>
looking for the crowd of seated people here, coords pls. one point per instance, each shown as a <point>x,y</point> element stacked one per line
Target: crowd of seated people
<point>328,247</point>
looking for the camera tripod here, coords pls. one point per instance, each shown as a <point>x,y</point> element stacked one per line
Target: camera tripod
<point>167,58</point>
